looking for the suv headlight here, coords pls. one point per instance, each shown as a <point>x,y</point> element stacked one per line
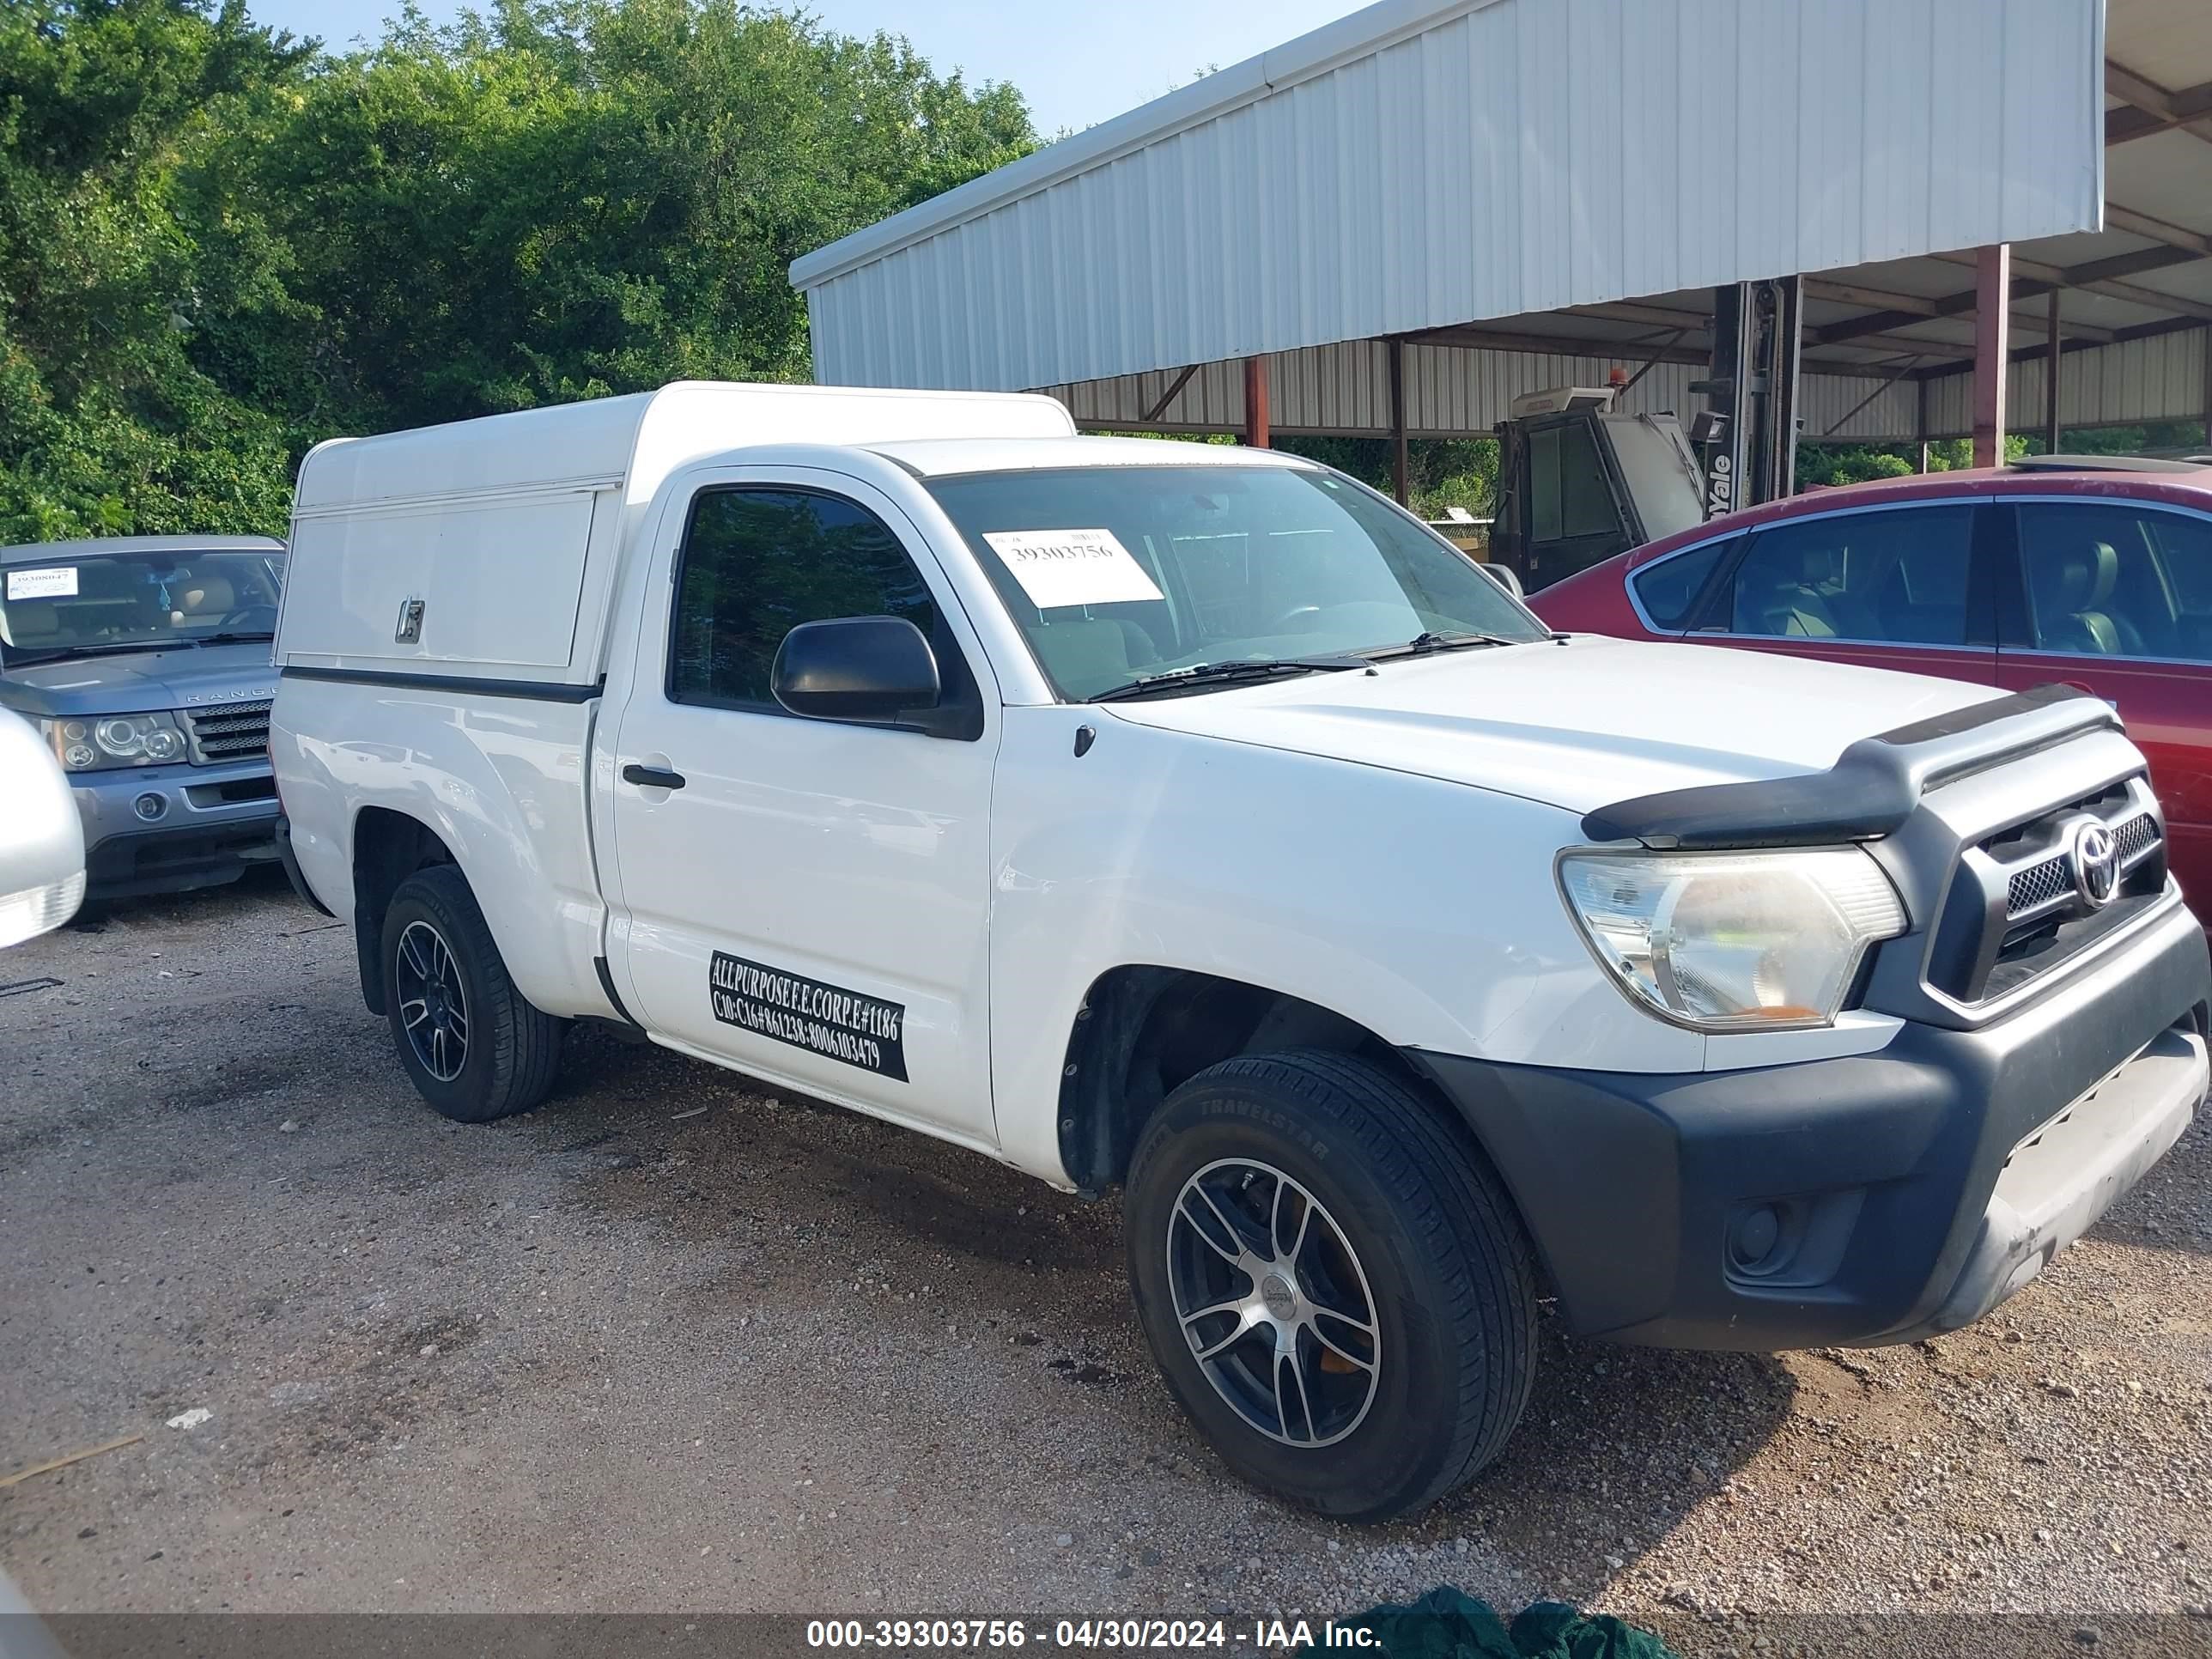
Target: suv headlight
<point>95,742</point>
<point>1733,941</point>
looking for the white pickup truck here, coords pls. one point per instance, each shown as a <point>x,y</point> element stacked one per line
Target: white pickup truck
<point>1190,820</point>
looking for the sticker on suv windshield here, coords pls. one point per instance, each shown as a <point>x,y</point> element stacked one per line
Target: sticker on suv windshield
<point>824,1020</point>
<point>1071,567</point>
<point>50,583</point>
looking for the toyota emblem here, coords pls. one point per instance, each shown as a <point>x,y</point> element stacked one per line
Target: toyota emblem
<point>2096,864</point>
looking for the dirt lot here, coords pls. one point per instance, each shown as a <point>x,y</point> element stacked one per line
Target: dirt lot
<point>666,1344</point>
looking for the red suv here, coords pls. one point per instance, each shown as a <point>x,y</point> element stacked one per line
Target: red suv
<point>2093,573</point>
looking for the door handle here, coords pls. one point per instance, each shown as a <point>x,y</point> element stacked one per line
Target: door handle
<point>652,777</point>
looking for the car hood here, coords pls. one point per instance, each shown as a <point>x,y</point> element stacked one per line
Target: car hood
<point>1579,724</point>
<point>139,681</point>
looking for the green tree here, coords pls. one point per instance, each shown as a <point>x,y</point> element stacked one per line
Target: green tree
<point>219,246</point>
<point>108,419</point>
<point>1441,473</point>
<point>551,202</point>
<point>2155,438</point>
<point>1821,466</point>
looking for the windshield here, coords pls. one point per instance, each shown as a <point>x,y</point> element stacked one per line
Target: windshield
<point>1661,476</point>
<point>118,601</point>
<point>1119,573</point>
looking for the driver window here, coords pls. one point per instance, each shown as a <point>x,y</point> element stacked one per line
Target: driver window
<point>1884,577</point>
<point>759,562</point>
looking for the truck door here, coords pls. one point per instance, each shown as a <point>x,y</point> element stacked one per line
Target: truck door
<point>805,899</point>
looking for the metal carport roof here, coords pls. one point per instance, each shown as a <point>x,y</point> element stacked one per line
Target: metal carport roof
<point>1527,191</point>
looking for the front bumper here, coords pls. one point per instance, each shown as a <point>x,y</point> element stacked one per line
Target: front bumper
<point>207,824</point>
<point>1856,1201</point>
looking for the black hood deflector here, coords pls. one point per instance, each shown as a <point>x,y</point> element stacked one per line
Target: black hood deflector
<point>1871,789</point>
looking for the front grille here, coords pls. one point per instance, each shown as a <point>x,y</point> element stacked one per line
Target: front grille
<point>228,732</point>
<point>2040,876</point>
<point>2136,836</point>
<point>2037,885</point>
<point>2015,909</point>
<point>2042,883</point>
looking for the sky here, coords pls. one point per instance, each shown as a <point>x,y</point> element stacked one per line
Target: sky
<point>1077,65</point>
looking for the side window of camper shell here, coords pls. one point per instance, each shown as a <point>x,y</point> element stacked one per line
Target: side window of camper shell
<point>756,563</point>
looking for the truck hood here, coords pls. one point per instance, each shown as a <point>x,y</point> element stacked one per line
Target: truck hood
<point>140,682</point>
<point>1578,725</point>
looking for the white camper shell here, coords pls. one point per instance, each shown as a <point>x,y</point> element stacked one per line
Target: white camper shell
<point>488,548</point>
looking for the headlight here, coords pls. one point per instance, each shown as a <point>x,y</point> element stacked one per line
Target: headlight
<point>94,743</point>
<point>39,909</point>
<point>1733,941</point>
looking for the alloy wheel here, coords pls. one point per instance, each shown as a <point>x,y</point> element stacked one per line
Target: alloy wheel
<point>434,1003</point>
<point>1271,1298</point>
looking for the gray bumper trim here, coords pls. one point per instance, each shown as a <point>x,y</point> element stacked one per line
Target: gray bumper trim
<point>2069,1173</point>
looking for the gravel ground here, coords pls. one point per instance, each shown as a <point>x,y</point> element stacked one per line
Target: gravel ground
<point>667,1343</point>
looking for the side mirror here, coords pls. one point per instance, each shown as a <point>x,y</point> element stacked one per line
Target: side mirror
<point>856,668</point>
<point>1503,575</point>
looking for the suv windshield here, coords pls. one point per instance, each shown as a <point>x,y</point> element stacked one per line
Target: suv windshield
<point>1118,574</point>
<point>109,602</point>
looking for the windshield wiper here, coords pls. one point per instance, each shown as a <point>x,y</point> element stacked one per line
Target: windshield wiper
<point>1207,673</point>
<point>232,639</point>
<point>1422,645</point>
<point>98,649</point>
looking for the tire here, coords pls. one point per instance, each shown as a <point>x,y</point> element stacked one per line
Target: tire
<point>1435,1249</point>
<point>507,1052</point>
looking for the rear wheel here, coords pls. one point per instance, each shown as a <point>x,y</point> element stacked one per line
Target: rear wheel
<point>471,1043</point>
<point>1336,1288</point>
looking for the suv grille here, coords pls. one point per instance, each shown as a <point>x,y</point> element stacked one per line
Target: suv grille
<point>2015,909</point>
<point>228,732</point>
<point>2033,888</point>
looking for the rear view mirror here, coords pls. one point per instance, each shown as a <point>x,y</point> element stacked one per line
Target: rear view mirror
<point>856,668</point>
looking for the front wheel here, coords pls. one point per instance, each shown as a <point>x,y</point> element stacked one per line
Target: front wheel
<point>1335,1286</point>
<point>473,1046</point>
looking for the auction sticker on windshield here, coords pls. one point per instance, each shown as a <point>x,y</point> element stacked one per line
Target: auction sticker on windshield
<point>1071,567</point>
<point>59,582</point>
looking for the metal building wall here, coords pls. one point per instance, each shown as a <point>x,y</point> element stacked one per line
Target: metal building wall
<point>1451,391</point>
<point>1418,165</point>
<point>1455,391</point>
<point>2160,378</point>
<point>1835,407</point>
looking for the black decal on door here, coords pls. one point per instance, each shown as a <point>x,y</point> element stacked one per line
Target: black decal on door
<point>824,1019</point>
